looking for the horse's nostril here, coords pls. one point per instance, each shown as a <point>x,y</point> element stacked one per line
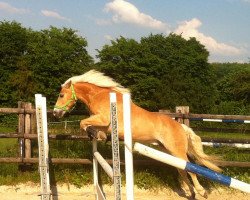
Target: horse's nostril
<point>58,113</point>
<point>55,113</point>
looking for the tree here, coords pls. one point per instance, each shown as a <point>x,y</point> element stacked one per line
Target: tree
<point>233,87</point>
<point>13,40</point>
<point>128,62</point>
<point>162,71</point>
<point>56,55</point>
<point>38,61</point>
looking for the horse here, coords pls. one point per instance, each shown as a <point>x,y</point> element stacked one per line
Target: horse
<point>93,88</point>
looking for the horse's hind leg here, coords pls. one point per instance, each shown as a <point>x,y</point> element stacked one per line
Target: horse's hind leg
<point>180,152</point>
<point>198,186</point>
<point>185,184</point>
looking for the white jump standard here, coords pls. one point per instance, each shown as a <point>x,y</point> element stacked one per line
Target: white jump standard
<point>113,173</point>
<point>115,147</point>
<point>128,147</point>
<point>43,145</point>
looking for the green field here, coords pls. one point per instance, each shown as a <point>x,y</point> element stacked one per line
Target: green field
<point>147,177</point>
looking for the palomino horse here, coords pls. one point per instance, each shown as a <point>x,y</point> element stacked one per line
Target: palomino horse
<point>93,88</point>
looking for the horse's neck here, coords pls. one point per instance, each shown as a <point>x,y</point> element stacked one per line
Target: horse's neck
<point>85,92</point>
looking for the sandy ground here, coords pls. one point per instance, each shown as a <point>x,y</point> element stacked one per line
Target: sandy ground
<point>69,192</point>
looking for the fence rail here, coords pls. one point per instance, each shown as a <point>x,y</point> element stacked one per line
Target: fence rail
<point>51,136</point>
<point>144,162</point>
<point>86,138</point>
<point>174,115</point>
<point>17,111</point>
<point>26,133</point>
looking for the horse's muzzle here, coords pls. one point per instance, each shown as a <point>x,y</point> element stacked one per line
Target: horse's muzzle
<point>58,113</point>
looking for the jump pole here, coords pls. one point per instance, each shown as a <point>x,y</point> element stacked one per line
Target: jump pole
<point>129,170</point>
<point>43,145</point>
<point>221,120</point>
<point>184,165</point>
<point>219,144</point>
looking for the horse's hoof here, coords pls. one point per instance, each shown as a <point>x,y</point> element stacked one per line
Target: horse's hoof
<point>101,136</point>
<point>192,197</point>
<point>205,195</point>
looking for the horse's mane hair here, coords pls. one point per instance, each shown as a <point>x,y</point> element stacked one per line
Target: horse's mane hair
<point>99,79</point>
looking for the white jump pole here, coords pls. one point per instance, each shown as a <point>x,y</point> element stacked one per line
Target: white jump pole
<point>99,195</point>
<point>129,170</point>
<point>43,145</point>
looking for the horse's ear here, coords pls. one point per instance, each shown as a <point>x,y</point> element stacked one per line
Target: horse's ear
<point>67,85</point>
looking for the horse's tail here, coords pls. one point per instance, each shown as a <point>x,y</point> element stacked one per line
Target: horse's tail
<point>195,150</point>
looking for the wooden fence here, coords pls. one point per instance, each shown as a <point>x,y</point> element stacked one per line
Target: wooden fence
<point>26,132</point>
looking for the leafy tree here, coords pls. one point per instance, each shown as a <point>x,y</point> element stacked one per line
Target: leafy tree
<point>118,59</point>
<point>38,61</point>
<point>127,61</point>
<point>162,71</point>
<point>233,87</point>
<point>13,40</point>
<point>236,86</point>
<point>186,77</point>
<point>56,55</point>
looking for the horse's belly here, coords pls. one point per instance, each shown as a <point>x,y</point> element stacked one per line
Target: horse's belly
<point>142,134</point>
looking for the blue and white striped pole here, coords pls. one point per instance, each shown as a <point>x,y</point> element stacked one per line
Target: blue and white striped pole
<point>182,164</point>
<point>220,144</point>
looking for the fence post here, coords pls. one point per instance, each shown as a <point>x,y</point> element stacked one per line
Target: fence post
<point>27,131</point>
<point>21,131</point>
<point>33,123</point>
<point>183,110</point>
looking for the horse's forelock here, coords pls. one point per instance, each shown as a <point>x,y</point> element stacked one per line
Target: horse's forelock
<point>67,84</point>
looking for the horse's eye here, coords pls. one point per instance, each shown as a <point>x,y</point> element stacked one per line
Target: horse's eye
<point>61,95</point>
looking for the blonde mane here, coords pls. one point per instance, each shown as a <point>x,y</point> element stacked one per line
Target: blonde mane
<point>99,79</point>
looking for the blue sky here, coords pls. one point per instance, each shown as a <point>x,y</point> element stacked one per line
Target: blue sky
<point>223,26</point>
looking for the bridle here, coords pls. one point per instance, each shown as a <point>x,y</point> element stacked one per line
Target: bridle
<point>72,99</point>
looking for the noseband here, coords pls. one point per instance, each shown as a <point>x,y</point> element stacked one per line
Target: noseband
<point>72,99</point>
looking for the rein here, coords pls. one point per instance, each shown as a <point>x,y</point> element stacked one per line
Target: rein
<point>73,98</point>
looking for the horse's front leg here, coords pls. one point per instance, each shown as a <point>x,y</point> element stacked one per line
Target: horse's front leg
<point>95,126</point>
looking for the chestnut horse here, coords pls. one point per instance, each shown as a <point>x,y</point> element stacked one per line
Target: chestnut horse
<point>93,88</point>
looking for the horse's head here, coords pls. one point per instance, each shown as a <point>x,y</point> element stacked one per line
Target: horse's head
<point>66,100</point>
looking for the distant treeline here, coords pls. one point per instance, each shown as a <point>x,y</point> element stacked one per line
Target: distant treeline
<point>161,71</point>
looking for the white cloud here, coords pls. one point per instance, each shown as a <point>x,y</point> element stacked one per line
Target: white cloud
<point>124,11</point>
<point>11,9</point>
<point>190,29</point>
<point>53,14</point>
<point>108,37</point>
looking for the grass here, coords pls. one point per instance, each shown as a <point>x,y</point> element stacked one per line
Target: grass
<point>224,135</point>
<point>147,177</point>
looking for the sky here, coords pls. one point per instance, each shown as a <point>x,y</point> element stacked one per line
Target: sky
<point>222,26</point>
